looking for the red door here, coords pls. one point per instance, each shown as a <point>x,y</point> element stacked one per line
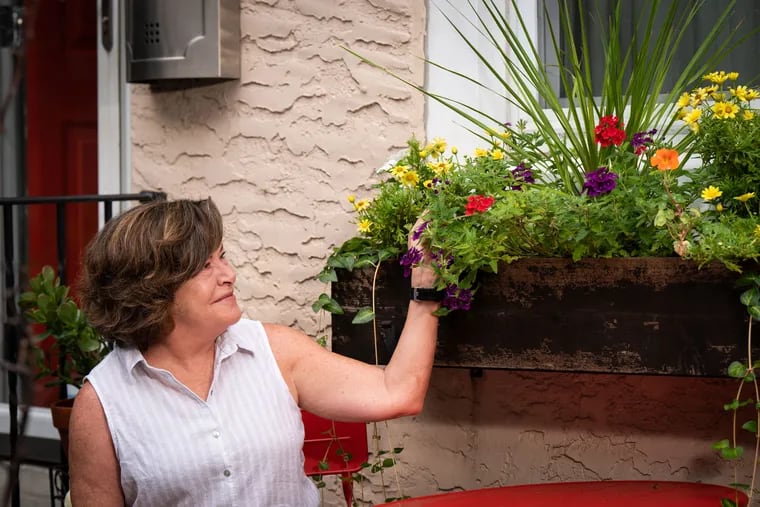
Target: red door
<point>61,145</point>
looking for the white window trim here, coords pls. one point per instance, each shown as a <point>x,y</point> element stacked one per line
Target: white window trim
<point>447,48</point>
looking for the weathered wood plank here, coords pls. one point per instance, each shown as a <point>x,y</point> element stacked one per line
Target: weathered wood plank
<point>641,315</point>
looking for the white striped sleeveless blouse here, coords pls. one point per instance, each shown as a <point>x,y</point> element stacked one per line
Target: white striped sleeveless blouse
<point>241,447</point>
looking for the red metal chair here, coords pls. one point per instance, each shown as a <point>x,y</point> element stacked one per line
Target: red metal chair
<point>341,447</point>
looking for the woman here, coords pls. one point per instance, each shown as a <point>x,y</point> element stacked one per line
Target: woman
<point>196,406</point>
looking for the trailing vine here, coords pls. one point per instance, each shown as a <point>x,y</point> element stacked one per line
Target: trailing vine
<point>381,459</point>
<point>745,372</point>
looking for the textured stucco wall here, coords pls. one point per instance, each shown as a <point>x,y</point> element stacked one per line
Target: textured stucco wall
<point>279,151</point>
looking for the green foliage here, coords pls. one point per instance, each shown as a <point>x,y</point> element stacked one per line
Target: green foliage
<point>75,347</point>
<point>633,84</point>
<point>493,207</point>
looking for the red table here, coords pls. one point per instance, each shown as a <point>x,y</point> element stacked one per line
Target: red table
<point>585,494</point>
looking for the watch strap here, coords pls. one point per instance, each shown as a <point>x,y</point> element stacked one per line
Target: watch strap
<point>426,294</point>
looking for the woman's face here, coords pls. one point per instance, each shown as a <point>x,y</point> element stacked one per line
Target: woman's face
<point>206,303</point>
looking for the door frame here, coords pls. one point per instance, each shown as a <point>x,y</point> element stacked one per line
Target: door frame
<point>114,176</point>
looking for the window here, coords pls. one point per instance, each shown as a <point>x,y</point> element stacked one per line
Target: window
<point>447,48</point>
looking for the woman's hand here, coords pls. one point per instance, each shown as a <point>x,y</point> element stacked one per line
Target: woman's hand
<point>423,275</point>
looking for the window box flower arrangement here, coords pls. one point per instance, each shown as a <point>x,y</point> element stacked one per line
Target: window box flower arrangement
<point>635,170</point>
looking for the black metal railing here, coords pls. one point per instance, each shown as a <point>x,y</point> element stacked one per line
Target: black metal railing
<point>14,329</point>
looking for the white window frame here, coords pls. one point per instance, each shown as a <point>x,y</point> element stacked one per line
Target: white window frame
<point>447,48</point>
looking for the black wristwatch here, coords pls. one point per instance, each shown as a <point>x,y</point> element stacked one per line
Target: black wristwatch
<point>426,294</point>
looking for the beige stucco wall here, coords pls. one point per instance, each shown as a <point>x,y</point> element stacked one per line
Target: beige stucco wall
<point>280,150</point>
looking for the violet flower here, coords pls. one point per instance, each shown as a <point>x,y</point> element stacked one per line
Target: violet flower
<point>599,182</point>
<point>641,140</point>
<point>418,232</point>
<point>409,259</point>
<point>457,298</point>
<point>523,174</point>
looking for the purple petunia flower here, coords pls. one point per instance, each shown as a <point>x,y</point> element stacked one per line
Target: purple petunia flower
<point>599,182</point>
<point>522,173</point>
<point>457,298</point>
<point>641,140</point>
<point>417,233</point>
<point>410,258</point>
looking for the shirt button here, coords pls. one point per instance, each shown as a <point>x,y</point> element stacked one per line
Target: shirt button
<point>227,473</point>
<point>216,434</point>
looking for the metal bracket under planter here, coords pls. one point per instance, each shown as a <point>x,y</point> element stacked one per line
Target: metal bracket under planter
<point>648,315</point>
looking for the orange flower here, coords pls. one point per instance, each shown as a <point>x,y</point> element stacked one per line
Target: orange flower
<point>665,159</point>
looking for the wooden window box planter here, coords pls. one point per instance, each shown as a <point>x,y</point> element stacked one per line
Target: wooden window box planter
<point>646,315</point>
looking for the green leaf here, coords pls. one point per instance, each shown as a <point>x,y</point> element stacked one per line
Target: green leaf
<point>89,341</point>
<point>332,306</point>
<point>68,313</point>
<point>721,444</point>
<point>731,453</point>
<point>323,465</point>
<point>754,312</point>
<point>388,462</point>
<point>737,369</point>
<point>327,303</point>
<point>733,405</point>
<point>328,275</point>
<point>750,426</point>
<point>725,502</point>
<point>363,316</point>
<point>750,297</point>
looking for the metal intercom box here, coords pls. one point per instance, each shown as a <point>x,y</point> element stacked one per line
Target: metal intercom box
<point>182,39</point>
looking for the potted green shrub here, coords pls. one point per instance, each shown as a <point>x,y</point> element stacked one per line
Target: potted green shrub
<point>72,346</point>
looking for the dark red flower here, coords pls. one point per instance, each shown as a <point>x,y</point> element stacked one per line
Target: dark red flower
<point>477,204</point>
<point>609,131</point>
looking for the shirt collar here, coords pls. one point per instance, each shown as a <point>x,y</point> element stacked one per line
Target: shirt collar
<point>226,344</point>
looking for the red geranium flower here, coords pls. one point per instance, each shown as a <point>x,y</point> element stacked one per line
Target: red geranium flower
<point>477,203</point>
<point>609,131</point>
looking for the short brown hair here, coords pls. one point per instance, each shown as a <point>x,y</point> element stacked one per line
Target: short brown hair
<point>136,263</point>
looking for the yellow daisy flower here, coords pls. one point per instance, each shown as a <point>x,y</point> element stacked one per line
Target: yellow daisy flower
<point>427,183</point>
<point>409,178</point>
<point>717,96</point>
<point>684,100</point>
<point>718,77</point>
<point>748,115</point>
<point>497,154</point>
<point>454,150</point>
<point>364,225</point>
<point>351,198</point>
<point>740,92</point>
<point>361,204</point>
<point>693,116</point>
<point>724,110</point>
<point>711,192</point>
<point>480,152</point>
<point>399,170</point>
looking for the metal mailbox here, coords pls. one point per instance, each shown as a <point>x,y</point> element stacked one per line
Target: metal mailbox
<point>182,39</point>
